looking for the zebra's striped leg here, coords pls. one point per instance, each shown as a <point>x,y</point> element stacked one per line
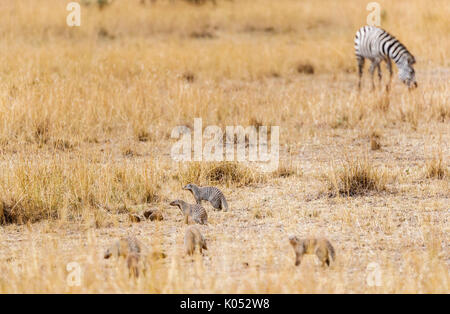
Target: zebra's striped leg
<point>360,69</point>
<point>389,67</point>
<point>379,73</point>
<point>371,71</point>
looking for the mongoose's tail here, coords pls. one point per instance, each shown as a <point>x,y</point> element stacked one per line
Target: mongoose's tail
<point>331,250</point>
<point>224,204</point>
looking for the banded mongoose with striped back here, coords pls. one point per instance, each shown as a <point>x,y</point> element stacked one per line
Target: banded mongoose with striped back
<point>193,239</point>
<point>322,248</point>
<point>208,193</point>
<point>195,211</point>
<point>129,248</point>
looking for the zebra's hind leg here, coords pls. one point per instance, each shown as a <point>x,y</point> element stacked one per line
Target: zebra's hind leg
<point>389,67</point>
<point>371,71</point>
<point>360,69</point>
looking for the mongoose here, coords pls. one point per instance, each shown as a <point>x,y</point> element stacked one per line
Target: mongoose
<point>321,247</point>
<point>156,255</point>
<point>194,239</point>
<point>195,211</point>
<point>135,217</point>
<point>149,214</point>
<point>129,248</point>
<point>153,214</point>
<point>208,193</point>
<point>133,264</point>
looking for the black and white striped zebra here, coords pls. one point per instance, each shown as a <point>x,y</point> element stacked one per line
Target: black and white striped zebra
<point>208,193</point>
<point>377,45</point>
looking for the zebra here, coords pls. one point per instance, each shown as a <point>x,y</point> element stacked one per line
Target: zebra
<point>377,45</point>
<point>208,193</point>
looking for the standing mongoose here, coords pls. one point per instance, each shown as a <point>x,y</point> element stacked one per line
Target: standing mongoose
<point>195,211</point>
<point>129,248</point>
<point>194,239</point>
<point>208,193</point>
<point>321,247</point>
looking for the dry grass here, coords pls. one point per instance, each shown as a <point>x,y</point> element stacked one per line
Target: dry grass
<point>436,167</point>
<point>87,115</point>
<point>220,173</point>
<point>357,177</point>
<point>66,189</point>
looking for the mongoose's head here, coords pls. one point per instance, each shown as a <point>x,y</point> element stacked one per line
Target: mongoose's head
<point>176,203</point>
<point>294,240</point>
<point>298,248</point>
<point>108,253</point>
<point>112,250</point>
<point>189,187</point>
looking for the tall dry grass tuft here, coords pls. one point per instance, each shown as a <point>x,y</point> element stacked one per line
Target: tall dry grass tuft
<point>287,169</point>
<point>375,140</point>
<point>357,177</point>
<point>86,117</point>
<point>436,168</point>
<point>224,173</point>
<point>31,191</point>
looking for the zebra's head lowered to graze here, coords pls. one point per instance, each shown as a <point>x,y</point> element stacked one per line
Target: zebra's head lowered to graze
<point>406,71</point>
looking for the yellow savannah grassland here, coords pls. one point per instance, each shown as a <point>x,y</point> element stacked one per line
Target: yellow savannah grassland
<point>86,115</point>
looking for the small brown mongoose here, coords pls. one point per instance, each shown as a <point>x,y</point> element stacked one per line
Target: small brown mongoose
<point>194,239</point>
<point>321,247</point>
<point>135,217</point>
<point>129,248</point>
<point>149,214</point>
<point>153,214</point>
<point>195,211</point>
<point>208,193</point>
<point>133,264</point>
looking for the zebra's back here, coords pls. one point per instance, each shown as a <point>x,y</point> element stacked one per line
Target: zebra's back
<point>375,43</point>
